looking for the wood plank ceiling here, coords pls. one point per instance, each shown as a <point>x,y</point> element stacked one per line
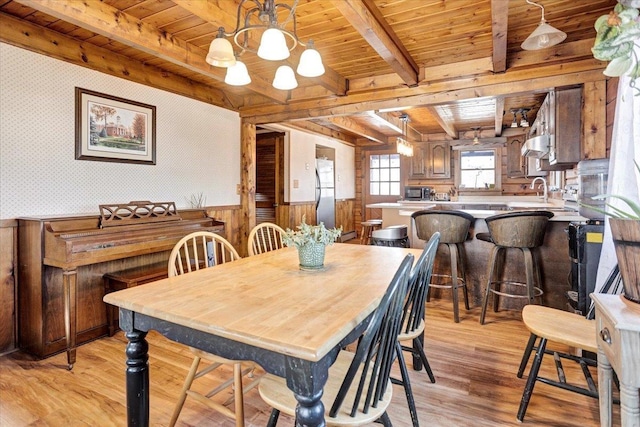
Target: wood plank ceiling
<point>452,65</point>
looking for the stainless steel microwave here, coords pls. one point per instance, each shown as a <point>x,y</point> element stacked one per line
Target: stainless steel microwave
<point>417,193</point>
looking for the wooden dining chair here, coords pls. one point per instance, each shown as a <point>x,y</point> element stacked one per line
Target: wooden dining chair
<point>413,325</point>
<point>203,249</point>
<point>265,237</point>
<point>358,389</point>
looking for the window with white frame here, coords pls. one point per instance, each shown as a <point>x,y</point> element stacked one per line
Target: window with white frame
<point>478,170</point>
<point>384,174</point>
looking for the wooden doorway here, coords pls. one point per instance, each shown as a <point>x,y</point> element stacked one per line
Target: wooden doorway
<point>269,175</point>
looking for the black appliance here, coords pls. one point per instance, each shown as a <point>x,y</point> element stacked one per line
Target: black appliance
<point>585,245</point>
<point>417,193</point>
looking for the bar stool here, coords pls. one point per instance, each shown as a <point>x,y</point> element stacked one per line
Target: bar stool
<point>518,230</point>
<point>453,227</point>
<point>367,228</point>
<point>394,236</point>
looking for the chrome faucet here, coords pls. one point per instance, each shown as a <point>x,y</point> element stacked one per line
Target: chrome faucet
<point>544,187</point>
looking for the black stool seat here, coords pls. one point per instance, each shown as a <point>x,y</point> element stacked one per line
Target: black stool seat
<point>392,236</point>
<point>453,227</point>
<point>519,230</point>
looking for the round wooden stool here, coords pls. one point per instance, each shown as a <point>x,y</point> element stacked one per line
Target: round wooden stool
<point>367,228</point>
<point>560,327</point>
<point>515,230</point>
<point>453,227</point>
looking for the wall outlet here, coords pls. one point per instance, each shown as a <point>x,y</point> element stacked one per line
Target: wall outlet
<point>238,189</point>
<point>296,183</point>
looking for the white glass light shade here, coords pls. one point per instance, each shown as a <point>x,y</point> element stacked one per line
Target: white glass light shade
<point>310,64</point>
<point>237,75</point>
<point>221,53</point>
<point>285,78</point>
<point>273,46</point>
<point>543,36</point>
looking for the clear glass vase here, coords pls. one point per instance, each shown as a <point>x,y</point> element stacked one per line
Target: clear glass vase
<point>311,256</point>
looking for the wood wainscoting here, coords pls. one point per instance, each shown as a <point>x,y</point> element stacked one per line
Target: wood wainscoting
<point>8,285</point>
<point>289,215</point>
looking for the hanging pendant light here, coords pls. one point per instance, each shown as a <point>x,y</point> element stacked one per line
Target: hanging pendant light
<point>403,146</point>
<point>285,79</point>
<point>273,46</point>
<point>255,19</point>
<point>524,123</point>
<point>220,51</point>
<point>514,123</point>
<point>237,75</point>
<point>544,35</point>
<point>310,64</point>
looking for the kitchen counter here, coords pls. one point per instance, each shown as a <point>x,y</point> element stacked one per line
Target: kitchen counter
<point>554,254</point>
<point>479,207</point>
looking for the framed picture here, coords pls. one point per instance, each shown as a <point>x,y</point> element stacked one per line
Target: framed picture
<point>112,129</point>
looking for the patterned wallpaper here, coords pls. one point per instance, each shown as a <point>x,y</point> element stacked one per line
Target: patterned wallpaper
<point>198,145</point>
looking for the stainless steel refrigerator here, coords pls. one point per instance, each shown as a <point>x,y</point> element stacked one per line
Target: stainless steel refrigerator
<point>325,193</point>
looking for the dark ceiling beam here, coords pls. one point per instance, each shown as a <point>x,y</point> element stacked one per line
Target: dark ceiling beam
<point>211,12</point>
<point>353,127</point>
<point>23,34</point>
<point>499,21</point>
<point>368,21</point>
<point>112,23</point>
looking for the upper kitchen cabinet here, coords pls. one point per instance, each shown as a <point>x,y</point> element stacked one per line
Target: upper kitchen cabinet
<point>519,166</point>
<point>565,126</point>
<point>438,160</point>
<point>560,117</point>
<point>431,160</point>
<point>417,162</point>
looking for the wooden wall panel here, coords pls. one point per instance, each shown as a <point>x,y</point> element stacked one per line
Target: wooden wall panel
<point>8,285</point>
<point>289,215</point>
<point>345,215</point>
<point>612,96</point>
<point>594,135</point>
<point>232,218</point>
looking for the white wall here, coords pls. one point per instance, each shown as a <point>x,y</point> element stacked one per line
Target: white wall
<point>300,156</point>
<point>198,145</point>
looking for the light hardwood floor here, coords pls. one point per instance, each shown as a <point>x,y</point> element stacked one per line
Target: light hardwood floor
<point>474,367</point>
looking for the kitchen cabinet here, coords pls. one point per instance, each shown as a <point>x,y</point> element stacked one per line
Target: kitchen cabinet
<point>519,166</point>
<point>560,117</point>
<point>438,160</point>
<point>430,160</point>
<point>417,165</point>
<point>565,125</point>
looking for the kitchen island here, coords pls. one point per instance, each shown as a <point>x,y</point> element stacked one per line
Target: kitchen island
<point>553,255</point>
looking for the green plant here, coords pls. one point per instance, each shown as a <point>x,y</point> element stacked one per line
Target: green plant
<point>617,34</point>
<point>310,234</point>
<point>633,211</point>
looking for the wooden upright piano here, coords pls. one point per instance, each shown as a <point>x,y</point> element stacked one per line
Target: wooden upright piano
<point>62,260</point>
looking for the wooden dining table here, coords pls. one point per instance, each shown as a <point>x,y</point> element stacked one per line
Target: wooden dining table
<point>263,308</point>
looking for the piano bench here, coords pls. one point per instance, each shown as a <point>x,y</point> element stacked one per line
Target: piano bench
<point>119,280</point>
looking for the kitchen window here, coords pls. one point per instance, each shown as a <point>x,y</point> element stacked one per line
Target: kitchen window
<point>384,174</point>
<point>478,170</point>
